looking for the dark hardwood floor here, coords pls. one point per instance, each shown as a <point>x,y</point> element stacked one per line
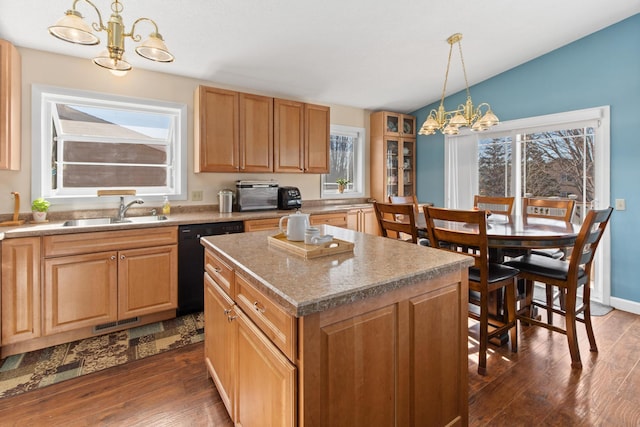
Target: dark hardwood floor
<point>535,387</point>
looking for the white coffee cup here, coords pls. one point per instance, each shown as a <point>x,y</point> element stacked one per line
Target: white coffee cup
<point>310,233</point>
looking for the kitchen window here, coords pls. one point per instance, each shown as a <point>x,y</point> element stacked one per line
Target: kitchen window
<point>346,162</point>
<point>86,141</point>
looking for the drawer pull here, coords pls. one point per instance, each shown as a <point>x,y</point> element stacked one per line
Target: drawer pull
<point>259,307</point>
<point>217,270</point>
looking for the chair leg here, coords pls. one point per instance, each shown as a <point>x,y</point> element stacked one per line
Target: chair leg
<point>572,336</point>
<point>484,332</point>
<point>510,309</point>
<point>586,300</point>
<point>549,290</point>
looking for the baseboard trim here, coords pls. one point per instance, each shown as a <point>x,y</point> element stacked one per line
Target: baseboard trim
<point>625,305</point>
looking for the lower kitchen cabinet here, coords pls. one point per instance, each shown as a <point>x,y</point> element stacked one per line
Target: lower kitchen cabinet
<point>21,311</point>
<point>363,220</point>
<point>256,381</point>
<point>266,380</point>
<point>92,283</point>
<point>220,341</point>
<point>147,280</point>
<point>80,291</point>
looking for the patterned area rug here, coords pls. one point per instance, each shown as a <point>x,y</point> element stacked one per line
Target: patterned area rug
<point>30,371</point>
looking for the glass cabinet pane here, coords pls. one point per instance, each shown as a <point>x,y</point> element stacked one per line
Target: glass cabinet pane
<point>393,124</point>
<point>408,167</point>
<point>408,125</point>
<point>392,168</point>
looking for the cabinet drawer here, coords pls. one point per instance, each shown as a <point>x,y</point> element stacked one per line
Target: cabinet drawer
<point>262,224</point>
<point>337,219</point>
<point>102,241</point>
<point>220,272</point>
<point>276,324</point>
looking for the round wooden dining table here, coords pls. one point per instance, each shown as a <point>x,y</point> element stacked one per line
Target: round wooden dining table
<point>519,232</point>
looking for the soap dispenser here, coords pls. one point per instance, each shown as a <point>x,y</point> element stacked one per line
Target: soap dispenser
<point>166,206</point>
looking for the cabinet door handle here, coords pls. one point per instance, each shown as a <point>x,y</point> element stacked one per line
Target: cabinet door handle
<point>259,307</point>
<point>230,315</point>
<point>113,257</point>
<point>122,257</point>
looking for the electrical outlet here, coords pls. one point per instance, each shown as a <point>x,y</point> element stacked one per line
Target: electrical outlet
<point>620,205</point>
<point>196,195</point>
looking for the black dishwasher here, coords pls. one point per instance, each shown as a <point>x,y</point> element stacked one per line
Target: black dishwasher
<point>191,261</point>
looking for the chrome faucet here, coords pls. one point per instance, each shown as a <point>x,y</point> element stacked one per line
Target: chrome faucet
<point>123,208</point>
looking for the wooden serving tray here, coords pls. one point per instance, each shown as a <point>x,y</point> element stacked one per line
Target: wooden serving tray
<point>336,246</point>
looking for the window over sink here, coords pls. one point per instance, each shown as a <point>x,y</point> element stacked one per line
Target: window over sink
<point>85,141</point>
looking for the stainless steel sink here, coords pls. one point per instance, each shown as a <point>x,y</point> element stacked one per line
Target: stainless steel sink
<point>88,222</point>
<point>148,218</point>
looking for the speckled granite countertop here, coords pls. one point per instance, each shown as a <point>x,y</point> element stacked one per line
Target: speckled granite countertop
<point>304,286</point>
<point>206,216</point>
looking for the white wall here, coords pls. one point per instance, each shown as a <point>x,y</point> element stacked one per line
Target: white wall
<point>64,71</point>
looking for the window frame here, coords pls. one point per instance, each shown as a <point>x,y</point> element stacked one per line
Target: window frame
<point>355,188</point>
<point>43,99</point>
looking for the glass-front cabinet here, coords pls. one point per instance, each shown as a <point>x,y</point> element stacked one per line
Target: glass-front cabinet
<point>393,146</point>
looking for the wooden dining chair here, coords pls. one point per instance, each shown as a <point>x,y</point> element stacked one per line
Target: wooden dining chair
<point>497,205</point>
<point>397,221</point>
<point>468,229</point>
<point>561,209</point>
<point>568,276</point>
<point>403,200</point>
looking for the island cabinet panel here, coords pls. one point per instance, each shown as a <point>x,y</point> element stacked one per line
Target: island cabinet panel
<point>400,358</point>
<point>266,380</point>
<point>220,341</point>
<point>20,289</point>
<point>359,356</point>
<point>80,291</point>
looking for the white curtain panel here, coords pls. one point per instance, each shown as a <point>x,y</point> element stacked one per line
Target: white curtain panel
<point>461,171</point>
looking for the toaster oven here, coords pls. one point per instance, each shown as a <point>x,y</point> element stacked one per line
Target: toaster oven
<point>256,195</point>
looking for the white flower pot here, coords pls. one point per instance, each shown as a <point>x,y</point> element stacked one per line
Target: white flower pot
<point>39,216</point>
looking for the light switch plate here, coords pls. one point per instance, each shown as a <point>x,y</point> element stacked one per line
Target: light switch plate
<point>196,195</point>
<point>620,205</point>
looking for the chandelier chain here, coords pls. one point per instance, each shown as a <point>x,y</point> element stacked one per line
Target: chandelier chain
<point>464,69</point>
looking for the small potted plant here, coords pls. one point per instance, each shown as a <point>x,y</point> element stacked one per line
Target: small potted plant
<point>342,182</point>
<point>39,208</point>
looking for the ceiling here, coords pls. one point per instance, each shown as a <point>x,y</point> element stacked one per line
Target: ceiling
<point>368,54</point>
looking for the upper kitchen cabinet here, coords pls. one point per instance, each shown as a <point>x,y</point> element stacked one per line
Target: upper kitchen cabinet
<point>301,137</point>
<point>10,106</point>
<point>393,156</point>
<point>399,125</point>
<point>234,131</point>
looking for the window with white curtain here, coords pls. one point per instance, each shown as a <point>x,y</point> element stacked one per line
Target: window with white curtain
<point>346,154</point>
<point>560,155</point>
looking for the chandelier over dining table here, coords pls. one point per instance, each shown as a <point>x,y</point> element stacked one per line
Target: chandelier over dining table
<point>449,122</point>
<point>72,28</point>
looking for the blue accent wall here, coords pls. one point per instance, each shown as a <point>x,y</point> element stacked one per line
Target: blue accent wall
<point>600,69</point>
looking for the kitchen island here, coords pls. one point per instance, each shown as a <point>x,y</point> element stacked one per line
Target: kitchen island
<point>373,337</point>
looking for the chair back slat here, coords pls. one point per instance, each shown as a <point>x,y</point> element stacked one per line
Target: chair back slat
<point>397,221</point>
<point>548,208</point>
<point>588,240</point>
<point>498,205</point>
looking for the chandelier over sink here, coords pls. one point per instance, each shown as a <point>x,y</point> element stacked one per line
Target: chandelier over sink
<point>72,28</point>
<point>449,122</point>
